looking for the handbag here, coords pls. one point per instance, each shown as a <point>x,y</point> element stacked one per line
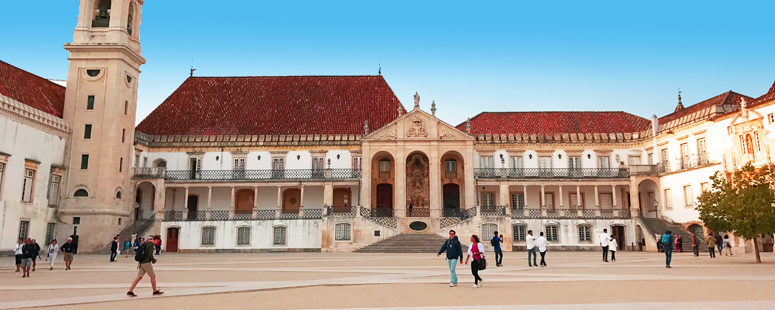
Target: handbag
<point>482,263</point>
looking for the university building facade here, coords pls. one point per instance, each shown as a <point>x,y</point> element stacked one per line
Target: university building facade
<point>337,163</point>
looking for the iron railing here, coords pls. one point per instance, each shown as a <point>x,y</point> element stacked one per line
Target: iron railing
<point>377,212</point>
<point>570,214</point>
<point>173,215</point>
<point>450,175</point>
<point>342,212</point>
<point>267,174</point>
<point>643,169</point>
<point>551,173</point>
<point>418,212</point>
<point>493,211</point>
<point>382,217</point>
<point>231,215</point>
<point>149,172</point>
<point>384,175</point>
<point>459,216</point>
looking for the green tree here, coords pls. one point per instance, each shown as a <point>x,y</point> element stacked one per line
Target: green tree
<point>743,205</point>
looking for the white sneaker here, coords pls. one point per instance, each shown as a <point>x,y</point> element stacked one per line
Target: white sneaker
<point>481,282</point>
<point>451,284</point>
<point>476,286</point>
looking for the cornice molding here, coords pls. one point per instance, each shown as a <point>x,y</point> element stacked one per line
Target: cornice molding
<point>33,117</point>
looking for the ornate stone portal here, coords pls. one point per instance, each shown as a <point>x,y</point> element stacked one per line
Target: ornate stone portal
<point>417,186</point>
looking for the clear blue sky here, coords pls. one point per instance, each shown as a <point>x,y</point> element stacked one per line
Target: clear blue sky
<point>469,56</point>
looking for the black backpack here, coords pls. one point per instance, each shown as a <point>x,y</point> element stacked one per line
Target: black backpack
<point>140,253</point>
<point>493,242</point>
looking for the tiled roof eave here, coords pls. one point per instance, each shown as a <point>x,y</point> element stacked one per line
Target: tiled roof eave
<point>245,140</point>
<point>32,116</point>
<point>620,137</point>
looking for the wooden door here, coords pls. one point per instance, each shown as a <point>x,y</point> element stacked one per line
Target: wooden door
<point>193,206</point>
<point>451,199</point>
<point>172,239</point>
<point>384,196</point>
<point>245,199</point>
<point>619,236</point>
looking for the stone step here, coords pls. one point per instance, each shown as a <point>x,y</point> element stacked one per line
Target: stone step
<point>406,243</point>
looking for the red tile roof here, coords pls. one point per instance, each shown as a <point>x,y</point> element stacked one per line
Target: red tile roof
<point>31,90</point>
<point>555,123</point>
<point>769,96</point>
<point>730,99</point>
<point>274,105</point>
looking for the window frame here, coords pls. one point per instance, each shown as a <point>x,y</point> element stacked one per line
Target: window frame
<point>90,102</point>
<point>284,235</point>
<point>587,230</point>
<point>356,163</point>
<point>240,241</point>
<point>202,241</point>
<point>668,198</point>
<point>489,231</point>
<point>688,197</point>
<point>600,200</point>
<point>84,157</point>
<point>87,130</point>
<point>486,162</point>
<point>519,236</point>
<point>512,200</point>
<point>28,180</point>
<point>705,187</point>
<point>24,225</point>
<point>583,205</point>
<point>54,181</point>
<point>2,178</point>
<point>549,237</point>
<point>50,232</point>
<point>342,232</point>
<point>492,194</point>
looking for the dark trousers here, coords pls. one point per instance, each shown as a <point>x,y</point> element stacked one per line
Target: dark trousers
<point>543,263</point>
<point>613,255</point>
<point>158,249</point>
<point>112,255</point>
<point>712,252</point>
<point>475,271</point>
<point>531,252</point>
<point>498,257</point>
<point>696,250</point>
<point>668,256</point>
<point>605,253</point>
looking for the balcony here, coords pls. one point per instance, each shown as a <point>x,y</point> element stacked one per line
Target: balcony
<point>230,215</point>
<point>149,173</point>
<point>685,164</point>
<point>643,169</point>
<point>548,213</point>
<point>551,173</point>
<point>261,175</point>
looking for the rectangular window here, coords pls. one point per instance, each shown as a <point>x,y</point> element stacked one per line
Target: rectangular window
<point>208,236</point>
<point>633,160</point>
<point>544,162</point>
<point>318,163</point>
<point>518,201</point>
<point>87,132</point>
<point>76,220</point>
<point>243,236</point>
<point>239,164</point>
<point>488,230</point>
<point>84,161</point>
<point>450,165</point>
<point>585,233</point>
<point>702,151</point>
<point>652,201</point>
<point>575,202</point>
<point>488,199</point>
<point>342,232</point>
<point>357,163</point>
<point>121,164</point>
<point>668,199</point>
<point>688,196</point>
<point>665,158</point>
<point>123,135</point>
<point>551,233</point>
<point>705,186</point>
<point>50,232</point>
<point>685,164</point>
<point>137,160</point>
<point>756,137</point>
<point>53,190</point>
<point>549,200</point>
<point>24,229</point>
<point>126,107</point>
<point>606,201</point>
<point>279,237</point>
<point>742,145</point>
<point>90,103</point>
<point>517,162</point>
<point>384,165</point>
<point>486,162</point>
<point>519,232</point>
<point>771,118</point>
<point>651,158</point>
<point>28,186</point>
<point>603,162</point>
<point>278,163</point>
<point>574,162</point>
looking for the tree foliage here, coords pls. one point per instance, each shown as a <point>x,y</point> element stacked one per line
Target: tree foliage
<point>742,205</point>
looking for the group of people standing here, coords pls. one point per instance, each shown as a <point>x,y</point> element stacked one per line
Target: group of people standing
<point>27,253</point>
<point>715,241</point>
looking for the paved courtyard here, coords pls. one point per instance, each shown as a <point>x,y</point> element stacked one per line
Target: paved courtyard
<point>573,280</point>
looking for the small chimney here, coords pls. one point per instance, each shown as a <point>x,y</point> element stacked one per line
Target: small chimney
<point>468,126</point>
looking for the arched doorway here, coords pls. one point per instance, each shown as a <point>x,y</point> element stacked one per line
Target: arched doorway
<point>342,200</point>
<point>384,199</point>
<point>417,185</point>
<point>245,198</point>
<point>291,200</point>
<point>453,183</point>
<point>172,239</point>
<point>451,200</point>
<point>649,198</point>
<point>639,237</point>
<point>697,230</point>
<point>144,198</point>
<point>383,182</point>
<point>617,232</point>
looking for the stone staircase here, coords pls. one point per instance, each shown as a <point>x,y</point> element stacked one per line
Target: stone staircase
<point>659,226</point>
<point>406,243</point>
<point>140,227</point>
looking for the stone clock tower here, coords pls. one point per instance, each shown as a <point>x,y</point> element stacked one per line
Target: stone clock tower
<point>100,105</point>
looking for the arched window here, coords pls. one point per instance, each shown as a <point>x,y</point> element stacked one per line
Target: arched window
<point>279,237</point>
<point>488,231</point>
<point>161,163</point>
<point>342,232</point>
<point>130,18</point>
<point>243,236</point>
<point>519,231</point>
<point>208,235</point>
<point>118,194</point>
<point>552,232</point>
<point>450,165</point>
<point>81,193</point>
<point>101,14</point>
<point>585,233</point>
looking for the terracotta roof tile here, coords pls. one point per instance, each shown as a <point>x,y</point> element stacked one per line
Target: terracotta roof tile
<point>31,90</point>
<point>769,96</point>
<point>555,123</point>
<point>730,99</point>
<point>274,105</point>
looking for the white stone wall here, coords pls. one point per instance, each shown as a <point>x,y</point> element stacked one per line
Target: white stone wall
<point>560,158</point>
<point>301,235</point>
<point>23,141</point>
<point>221,197</point>
<point>224,161</point>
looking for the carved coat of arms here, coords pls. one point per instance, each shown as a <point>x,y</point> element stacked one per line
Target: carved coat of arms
<point>417,128</point>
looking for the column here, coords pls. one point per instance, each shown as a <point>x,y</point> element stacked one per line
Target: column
<point>504,197</point>
<point>579,202</point>
<point>561,200</point>
<point>597,199</point>
<point>328,194</point>
<point>231,201</point>
<point>434,177</point>
<point>255,198</point>
<point>301,198</point>
<point>543,197</point>
<point>613,195</point>
<point>185,199</point>
<point>524,195</point>
<point>209,197</point>
<point>279,198</point>
<point>399,189</point>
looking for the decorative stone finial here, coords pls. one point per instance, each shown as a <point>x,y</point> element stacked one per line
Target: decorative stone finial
<point>366,127</point>
<point>433,108</point>
<point>416,100</point>
<point>680,105</point>
<point>468,126</point>
<point>399,111</point>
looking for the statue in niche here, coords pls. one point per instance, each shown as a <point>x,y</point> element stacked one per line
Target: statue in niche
<point>417,128</point>
<point>418,188</point>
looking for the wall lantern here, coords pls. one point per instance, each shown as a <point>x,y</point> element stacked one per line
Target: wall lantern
<point>298,157</point>
<point>589,156</point>
<point>501,156</point>
<point>217,158</point>
<point>559,156</point>
<point>531,156</point>
<point>337,156</point>
<point>259,157</point>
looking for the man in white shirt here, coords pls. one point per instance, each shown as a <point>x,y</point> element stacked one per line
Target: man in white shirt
<point>604,239</point>
<point>530,241</point>
<point>541,243</point>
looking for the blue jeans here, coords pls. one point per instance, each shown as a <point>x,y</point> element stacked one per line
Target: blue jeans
<point>452,274</point>
<point>531,252</point>
<point>668,255</point>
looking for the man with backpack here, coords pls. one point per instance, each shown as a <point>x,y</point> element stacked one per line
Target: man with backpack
<point>496,246</point>
<point>145,260</point>
<point>667,240</point>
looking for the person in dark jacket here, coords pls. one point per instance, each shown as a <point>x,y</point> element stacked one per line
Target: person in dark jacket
<point>719,242</point>
<point>146,266</point>
<point>28,253</point>
<point>36,253</point>
<point>667,241</point>
<point>454,254</point>
<point>113,249</point>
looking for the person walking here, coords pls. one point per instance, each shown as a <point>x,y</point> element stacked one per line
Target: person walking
<point>36,253</point>
<point>475,250</point>
<point>605,239</point>
<point>530,242</point>
<point>52,251</point>
<point>145,259</point>
<point>157,244</point>
<point>719,243</point>
<point>695,245</point>
<point>612,247</point>
<point>667,239</point>
<point>711,243</point>
<point>69,249</point>
<point>454,254</point>
<point>17,251</point>
<point>679,244</point>
<point>127,246</point>
<point>113,249</point>
<point>541,243</point>
<point>727,246</point>
<point>28,254</point>
<point>496,246</point>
